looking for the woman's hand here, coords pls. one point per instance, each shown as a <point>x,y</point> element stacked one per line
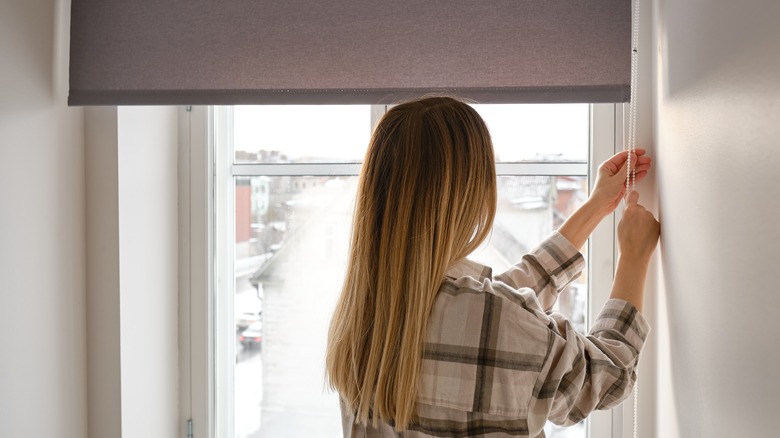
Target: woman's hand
<point>610,183</point>
<point>638,234</point>
<point>638,231</point>
<point>607,192</point>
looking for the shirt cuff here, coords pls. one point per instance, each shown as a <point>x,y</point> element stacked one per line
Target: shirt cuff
<point>562,260</point>
<point>619,316</point>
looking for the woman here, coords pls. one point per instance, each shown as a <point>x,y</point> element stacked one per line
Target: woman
<point>425,342</point>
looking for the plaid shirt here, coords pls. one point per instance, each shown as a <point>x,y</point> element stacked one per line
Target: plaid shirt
<point>499,363</point>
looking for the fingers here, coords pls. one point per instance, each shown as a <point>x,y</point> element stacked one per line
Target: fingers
<point>640,176</point>
<point>640,165</point>
<point>638,151</point>
<point>615,162</point>
<point>639,161</point>
<point>611,182</point>
<point>623,170</point>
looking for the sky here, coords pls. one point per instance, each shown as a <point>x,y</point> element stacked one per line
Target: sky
<point>519,132</point>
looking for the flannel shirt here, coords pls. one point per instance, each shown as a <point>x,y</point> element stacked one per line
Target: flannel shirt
<point>499,363</point>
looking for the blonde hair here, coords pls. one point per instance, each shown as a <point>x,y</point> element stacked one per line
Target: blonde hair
<point>426,198</point>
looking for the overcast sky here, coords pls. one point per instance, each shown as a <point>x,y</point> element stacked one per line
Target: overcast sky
<point>519,132</point>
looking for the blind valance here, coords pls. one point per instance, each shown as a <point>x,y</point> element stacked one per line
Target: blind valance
<point>178,52</point>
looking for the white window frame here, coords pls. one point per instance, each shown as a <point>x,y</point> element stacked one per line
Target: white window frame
<point>205,176</point>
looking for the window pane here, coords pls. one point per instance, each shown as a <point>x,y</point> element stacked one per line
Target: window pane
<point>301,133</point>
<point>529,209</point>
<point>340,133</point>
<point>543,132</point>
<point>292,237</point>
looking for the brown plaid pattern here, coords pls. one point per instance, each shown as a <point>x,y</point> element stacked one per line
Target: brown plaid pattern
<point>499,363</point>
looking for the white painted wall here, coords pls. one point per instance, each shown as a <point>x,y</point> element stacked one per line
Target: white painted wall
<point>42,270</point>
<point>646,119</point>
<point>717,129</point>
<point>102,258</point>
<point>82,219</point>
<point>132,269</point>
<point>148,218</point>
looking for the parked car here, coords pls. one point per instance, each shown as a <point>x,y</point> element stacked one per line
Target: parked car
<point>252,337</point>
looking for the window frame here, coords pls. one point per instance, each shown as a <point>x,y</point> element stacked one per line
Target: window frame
<point>205,176</point>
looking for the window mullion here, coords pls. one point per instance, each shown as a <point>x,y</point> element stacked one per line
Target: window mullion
<point>551,168</point>
<point>344,169</point>
<point>296,169</point>
<point>604,141</point>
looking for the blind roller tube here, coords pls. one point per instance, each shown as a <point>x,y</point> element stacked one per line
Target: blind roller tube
<point>194,52</point>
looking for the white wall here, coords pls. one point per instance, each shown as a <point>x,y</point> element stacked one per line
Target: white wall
<point>647,375</point>
<point>718,131</point>
<point>102,258</point>
<point>132,270</point>
<point>84,225</point>
<point>148,216</point>
<point>42,270</point>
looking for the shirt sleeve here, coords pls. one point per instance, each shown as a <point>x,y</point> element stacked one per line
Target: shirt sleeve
<point>583,373</point>
<point>547,269</point>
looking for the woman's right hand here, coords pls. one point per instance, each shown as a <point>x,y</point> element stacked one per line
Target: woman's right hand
<point>638,231</point>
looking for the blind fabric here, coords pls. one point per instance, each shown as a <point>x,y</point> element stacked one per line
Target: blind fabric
<point>178,52</point>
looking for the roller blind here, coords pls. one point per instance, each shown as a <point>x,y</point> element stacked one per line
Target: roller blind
<point>174,52</point>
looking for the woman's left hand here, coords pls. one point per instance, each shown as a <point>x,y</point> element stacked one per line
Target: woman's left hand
<point>610,185</point>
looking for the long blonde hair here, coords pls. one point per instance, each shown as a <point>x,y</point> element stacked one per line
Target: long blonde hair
<point>426,198</point>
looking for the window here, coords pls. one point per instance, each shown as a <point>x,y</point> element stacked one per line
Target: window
<point>284,187</point>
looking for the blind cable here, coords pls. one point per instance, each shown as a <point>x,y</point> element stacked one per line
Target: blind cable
<point>631,147</point>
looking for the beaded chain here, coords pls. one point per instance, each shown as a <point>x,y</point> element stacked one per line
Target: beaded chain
<point>631,143</point>
<point>631,146</point>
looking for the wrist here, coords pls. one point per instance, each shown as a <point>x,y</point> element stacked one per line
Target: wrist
<point>629,282</point>
<point>597,208</point>
<point>578,227</point>
<point>636,261</point>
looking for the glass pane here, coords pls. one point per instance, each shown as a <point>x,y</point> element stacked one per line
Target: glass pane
<point>301,133</point>
<point>340,133</point>
<point>529,209</point>
<point>292,237</point>
<point>543,132</point>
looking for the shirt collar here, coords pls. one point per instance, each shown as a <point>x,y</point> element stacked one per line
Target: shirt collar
<point>469,268</point>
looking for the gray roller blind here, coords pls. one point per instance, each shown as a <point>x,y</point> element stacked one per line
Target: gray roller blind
<point>347,51</point>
